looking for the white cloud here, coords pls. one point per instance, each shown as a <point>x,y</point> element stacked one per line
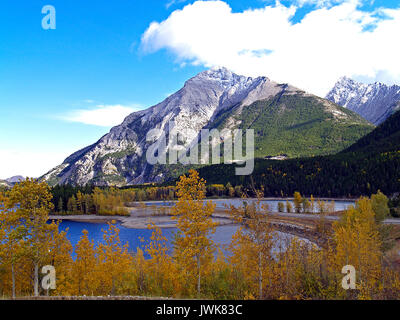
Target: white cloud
<point>329,42</point>
<point>27,162</point>
<point>101,115</point>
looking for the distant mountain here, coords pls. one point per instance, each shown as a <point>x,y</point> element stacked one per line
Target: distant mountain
<point>369,165</point>
<point>15,179</point>
<point>286,120</point>
<point>9,182</point>
<point>375,102</point>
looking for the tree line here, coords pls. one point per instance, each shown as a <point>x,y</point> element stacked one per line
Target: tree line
<point>116,201</point>
<point>330,176</point>
<point>68,199</point>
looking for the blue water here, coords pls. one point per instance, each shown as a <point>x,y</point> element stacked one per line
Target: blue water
<point>222,236</point>
<point>272,204</point>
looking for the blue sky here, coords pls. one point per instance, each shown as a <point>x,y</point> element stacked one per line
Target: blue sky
<point>95,59</point>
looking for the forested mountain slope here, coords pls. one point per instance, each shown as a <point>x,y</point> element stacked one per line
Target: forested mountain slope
<point>370,164</point>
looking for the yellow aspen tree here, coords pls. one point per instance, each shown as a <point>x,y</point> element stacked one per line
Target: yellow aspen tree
<point>289,207</point>
<point>160,263</point>
<point>13,234</point>
<point>140,272</point>
<point>84,267</point>
<point>320,206</point>
<point>380,206</point>
<point>305,205</point>
<point>193,247</point>
<point>32,202</point>
<point>80,203</point>
<point>114,261</point>
<point>219,279</point>
<point>297,199</point>
<point>358,244</point>
<point>252,248</point>
<point>312,203</point>
<point>60,257</point>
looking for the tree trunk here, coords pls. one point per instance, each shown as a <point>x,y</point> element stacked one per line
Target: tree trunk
<point>36,280</point>
<point>13,280</point>
<point>113,287</point>
<point>198,277</point>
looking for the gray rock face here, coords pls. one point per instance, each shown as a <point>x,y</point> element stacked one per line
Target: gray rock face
<point>119,157</point>
<point>15,179</point>
<point>9,182</point>
<point>374,102</point>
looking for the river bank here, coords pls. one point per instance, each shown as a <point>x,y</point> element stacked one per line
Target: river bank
<point>246,199</point>
<point>141,214</point>
<point>135,222</point>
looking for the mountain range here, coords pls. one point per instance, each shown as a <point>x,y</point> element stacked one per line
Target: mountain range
<point>11,181</point>
<point>374,102</point>
<point>287,121</point>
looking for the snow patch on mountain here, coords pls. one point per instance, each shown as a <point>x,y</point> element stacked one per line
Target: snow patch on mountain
<point>374,102</point>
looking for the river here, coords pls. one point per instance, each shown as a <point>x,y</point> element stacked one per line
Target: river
<point>222,236</point>
<point>272,203</point>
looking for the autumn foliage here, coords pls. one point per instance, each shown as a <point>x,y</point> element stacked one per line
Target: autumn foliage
<point>260,263</point>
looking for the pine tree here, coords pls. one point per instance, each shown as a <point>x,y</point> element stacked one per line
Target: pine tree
<point>72,206</point>
<point>60,206</point>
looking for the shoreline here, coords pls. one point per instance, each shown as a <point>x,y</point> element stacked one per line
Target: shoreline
<point>141,215</point>
<point>251,199</point>
<point>135,222</point>
<point>165,222</point>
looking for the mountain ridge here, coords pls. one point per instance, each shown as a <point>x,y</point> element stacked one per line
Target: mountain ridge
<point>375,102</point>
<point>118,158</point>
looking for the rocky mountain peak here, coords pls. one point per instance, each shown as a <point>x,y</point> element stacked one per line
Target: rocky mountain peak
<point>15,179</point>
<point>375,102</point>
<point>221,77</point>
<point>119,157</point>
